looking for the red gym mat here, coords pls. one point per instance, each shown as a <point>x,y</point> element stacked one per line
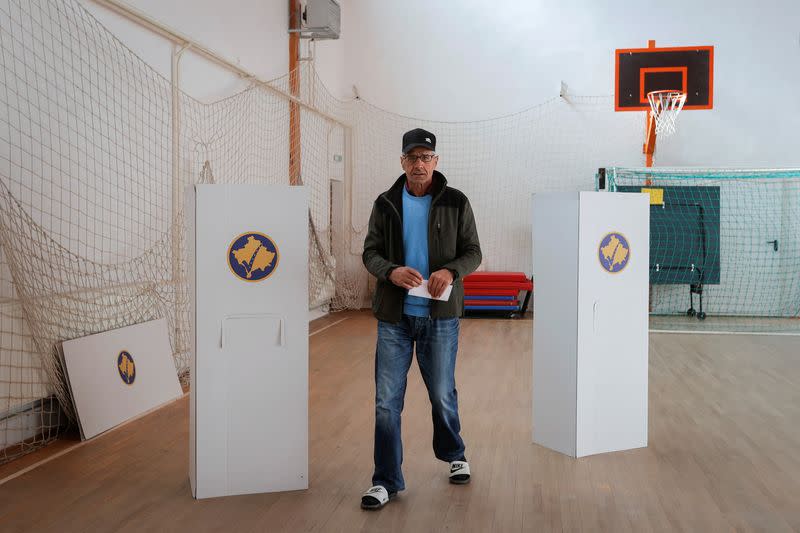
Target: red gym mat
<point>496,276</point>
<point>490,292</point>
<point>527,285</point>
<point>491,302</point>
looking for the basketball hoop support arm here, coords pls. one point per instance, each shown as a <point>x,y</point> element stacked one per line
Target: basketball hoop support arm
<point>649,146</point>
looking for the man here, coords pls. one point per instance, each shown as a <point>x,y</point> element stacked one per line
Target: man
<point>419,229</point>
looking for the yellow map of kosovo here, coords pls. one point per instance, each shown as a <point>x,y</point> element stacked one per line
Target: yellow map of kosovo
<point>253,256</point>
<point>614,252</point>
<point>126,367</point>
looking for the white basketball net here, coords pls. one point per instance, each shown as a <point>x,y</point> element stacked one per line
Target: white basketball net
<point>665,106</point>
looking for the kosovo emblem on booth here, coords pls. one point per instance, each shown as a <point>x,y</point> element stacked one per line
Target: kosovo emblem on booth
<point>253,256</point>
<point>126,367</point>
<point>614,252</point>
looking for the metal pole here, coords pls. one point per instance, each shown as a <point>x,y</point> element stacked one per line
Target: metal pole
<point>176,179</point>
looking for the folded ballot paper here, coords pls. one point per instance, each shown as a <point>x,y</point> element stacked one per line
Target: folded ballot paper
<point>422,291</point>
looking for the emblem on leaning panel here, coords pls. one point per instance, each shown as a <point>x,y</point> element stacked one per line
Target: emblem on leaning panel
<point>253,256</point>
<point>126,367</point>
<point>614,252</point>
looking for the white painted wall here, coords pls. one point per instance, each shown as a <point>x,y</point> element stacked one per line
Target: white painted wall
<point>459,60</point>
<point>252,33</point>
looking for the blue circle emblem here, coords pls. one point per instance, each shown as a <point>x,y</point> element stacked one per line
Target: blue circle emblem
<point>614,252</point>
<point>126,367</point>
<point>253,256</point>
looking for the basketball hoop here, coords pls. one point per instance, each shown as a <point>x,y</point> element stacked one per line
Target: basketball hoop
<point>665,106</point>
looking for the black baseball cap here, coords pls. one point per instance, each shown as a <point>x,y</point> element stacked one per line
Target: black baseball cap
<point>418,137</point>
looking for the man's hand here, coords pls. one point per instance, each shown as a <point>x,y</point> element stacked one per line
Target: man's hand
<point>439,281</point>
<point>405,277</point>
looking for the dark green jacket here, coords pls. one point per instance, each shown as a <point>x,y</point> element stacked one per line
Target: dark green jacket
<point>452,244</point>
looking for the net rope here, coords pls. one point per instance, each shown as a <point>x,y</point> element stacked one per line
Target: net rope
<point>91,189</point>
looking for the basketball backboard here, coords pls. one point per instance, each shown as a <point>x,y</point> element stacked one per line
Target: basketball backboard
<point>688,69</point>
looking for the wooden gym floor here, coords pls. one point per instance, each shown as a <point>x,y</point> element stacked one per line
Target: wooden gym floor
<point>723,454</point>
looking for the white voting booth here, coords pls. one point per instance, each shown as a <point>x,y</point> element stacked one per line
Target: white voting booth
<point>590,341</point>
<point>248,276</point>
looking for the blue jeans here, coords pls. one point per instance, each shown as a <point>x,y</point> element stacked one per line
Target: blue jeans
<point>437,344</point>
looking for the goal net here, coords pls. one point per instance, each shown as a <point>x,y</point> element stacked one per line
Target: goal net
<point>733,234</point>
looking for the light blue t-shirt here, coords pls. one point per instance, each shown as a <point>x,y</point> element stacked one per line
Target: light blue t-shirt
<point>415,245</point>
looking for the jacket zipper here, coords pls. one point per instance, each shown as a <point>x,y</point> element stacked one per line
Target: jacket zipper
<point>396,212</point>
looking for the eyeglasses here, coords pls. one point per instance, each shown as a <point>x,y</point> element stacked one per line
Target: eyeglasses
<point>412,159</point>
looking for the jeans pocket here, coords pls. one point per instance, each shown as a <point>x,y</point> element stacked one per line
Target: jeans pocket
<point>449,325</point>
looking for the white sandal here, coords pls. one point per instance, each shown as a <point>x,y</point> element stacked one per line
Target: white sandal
<point>459,472</point>
<point>376,497</point>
